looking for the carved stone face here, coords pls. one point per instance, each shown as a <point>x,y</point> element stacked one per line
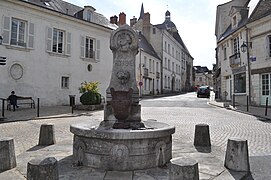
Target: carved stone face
<point>124,41</point>
<point>123,76</point>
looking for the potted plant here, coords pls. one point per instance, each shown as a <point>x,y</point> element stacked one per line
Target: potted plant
<point>90,95</point>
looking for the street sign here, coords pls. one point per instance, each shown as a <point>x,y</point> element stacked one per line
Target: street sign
<point>140,83</point>
<point>252,58</point>
<point>3,61</point>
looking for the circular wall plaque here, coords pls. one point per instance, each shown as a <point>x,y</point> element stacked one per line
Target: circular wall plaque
<point>16,71</point>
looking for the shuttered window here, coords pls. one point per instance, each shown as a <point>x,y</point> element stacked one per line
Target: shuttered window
<point>58,41</point>
<point>90,48</point>
<point>18,32</point>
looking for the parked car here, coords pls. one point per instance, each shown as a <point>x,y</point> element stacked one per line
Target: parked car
<point>203,91</point>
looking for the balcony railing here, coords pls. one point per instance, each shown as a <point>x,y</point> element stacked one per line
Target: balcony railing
<point>146,72</point>
<point>235,60</point>
<point>157,75</point>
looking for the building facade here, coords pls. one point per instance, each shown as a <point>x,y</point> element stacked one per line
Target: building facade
<point>243,52</point>
<point>51,47</point>
<point>203,76</point>
<point>176,62</point>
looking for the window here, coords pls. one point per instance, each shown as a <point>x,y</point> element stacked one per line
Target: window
<point>18,32</point>
<point>58,38</point>
<point>150,65</point>
<point>234,21</point>
<point>173,51</point>
<point>89,15</point>
<point>168,65</point>
<point>65,82</point>
<point>266,78</point>
<point>153,31</point>
<point>225,52</point>
<point>89,45</point>
<point>269,46</point>
<point>165,62</point>
<point>90,48</point>
<point>172,66</point>
<point>168,48</point>
<point>165,82</point>
<point>58,41</point>
<point>236,45</point>
<point>165,46</point>
<point>240,83</point>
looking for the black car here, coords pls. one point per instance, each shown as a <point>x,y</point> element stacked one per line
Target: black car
<point>203,91</point>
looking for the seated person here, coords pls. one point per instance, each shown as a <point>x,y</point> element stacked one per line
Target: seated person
<point>13,100</point>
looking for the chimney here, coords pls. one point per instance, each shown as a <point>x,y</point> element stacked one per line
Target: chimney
<point>114,19</point>
<point>133,21</point>
<point>122,18</point>
<point>146,19</point>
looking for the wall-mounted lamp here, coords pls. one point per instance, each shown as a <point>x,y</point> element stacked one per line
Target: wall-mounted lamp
<point>245,45</point>
<point>1,40</point>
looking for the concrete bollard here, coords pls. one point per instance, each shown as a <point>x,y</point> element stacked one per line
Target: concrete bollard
<point>183,169</point>
<point>42,169</point>
<point>47,135</point>
<point>202,135</point>
<point>237,155</point>
<point>7,154</point>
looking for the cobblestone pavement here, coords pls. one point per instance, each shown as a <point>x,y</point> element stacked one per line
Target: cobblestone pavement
<point>183,111</point>
<point>223,124</point>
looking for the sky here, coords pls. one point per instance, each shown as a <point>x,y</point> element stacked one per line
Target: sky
<point>194,19</point>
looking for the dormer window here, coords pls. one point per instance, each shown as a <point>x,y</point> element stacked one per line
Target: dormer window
<point>88,13</point>
<point>234,21</point>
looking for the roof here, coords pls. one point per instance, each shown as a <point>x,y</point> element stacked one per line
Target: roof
<point>146,46</point>
<point>262,9</point>
<point>168,25</point>
<point>141,12</point>
<point>202,69</point>
<point>69,9</point>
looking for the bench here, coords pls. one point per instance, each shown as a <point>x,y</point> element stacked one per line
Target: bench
<point>21,101</point>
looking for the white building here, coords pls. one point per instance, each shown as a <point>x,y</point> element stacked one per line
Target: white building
<point>51,47</point>
<point>243,51</point>
<point>177,63</point>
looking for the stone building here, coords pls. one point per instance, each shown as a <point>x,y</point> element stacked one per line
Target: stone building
<point>51,47</point>
<point>203,76</point>
<point>243,66</point>
<point>176,62</point>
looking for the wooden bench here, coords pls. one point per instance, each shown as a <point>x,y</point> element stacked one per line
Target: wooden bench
<point>21,101</point>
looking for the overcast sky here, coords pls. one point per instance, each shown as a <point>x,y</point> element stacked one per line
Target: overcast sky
<point>195,20</point>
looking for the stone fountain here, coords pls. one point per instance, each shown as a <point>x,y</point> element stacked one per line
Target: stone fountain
<point>123,141</point>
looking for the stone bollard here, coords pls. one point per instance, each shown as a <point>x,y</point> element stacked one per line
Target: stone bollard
<point>183,169</point>
<point>42,169</point>
<point>47,135</point>
<point>202,135</point>
<point>7,154</point>
<point>237,155</point>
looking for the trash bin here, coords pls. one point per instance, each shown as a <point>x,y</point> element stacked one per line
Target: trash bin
<point>72,100</point>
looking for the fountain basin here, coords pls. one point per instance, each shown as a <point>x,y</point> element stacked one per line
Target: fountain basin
<point>123,149</point>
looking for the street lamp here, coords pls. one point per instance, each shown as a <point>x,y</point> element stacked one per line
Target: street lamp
<point>245,48</point>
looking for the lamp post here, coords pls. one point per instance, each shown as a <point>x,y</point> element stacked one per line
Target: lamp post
<point>245,48</point>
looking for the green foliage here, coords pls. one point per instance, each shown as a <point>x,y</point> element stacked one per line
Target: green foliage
<point>89,87</point>
<point>90,94</point>
<point>90,98</point>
